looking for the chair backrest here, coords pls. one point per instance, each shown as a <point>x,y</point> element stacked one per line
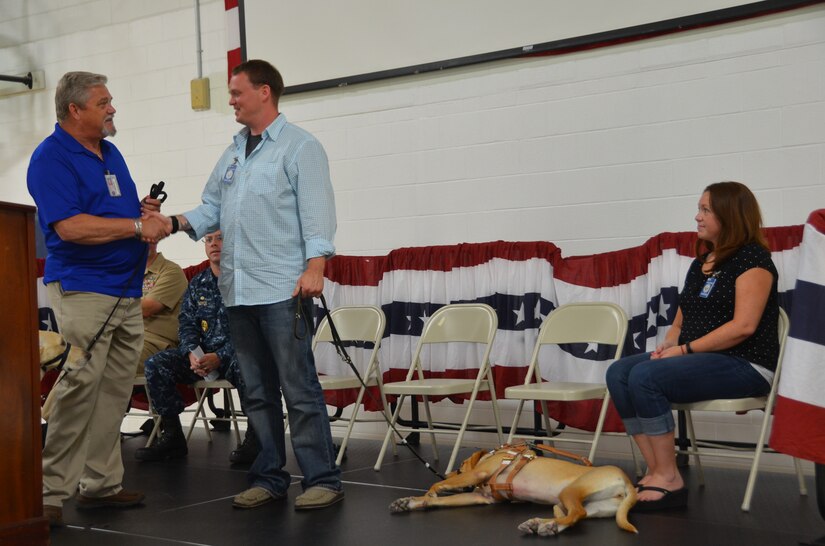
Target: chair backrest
<point>353,323</point>
<point>585,322</point>
<point>469,322</point>
<point>458,322</point>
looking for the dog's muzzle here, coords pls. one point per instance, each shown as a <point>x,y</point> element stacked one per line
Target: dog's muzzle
<point>57,362</point>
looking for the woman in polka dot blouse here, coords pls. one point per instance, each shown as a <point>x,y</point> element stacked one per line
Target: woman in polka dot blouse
<point>723,342</point>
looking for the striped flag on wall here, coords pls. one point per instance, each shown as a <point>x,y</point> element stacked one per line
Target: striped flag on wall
<point>799,417</point>
<point>234,55</point>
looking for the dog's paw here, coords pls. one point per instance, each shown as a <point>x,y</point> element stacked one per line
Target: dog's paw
<point>548,528</point>
<point>404,504</point>
<point>539,526</point>
<point>530,526</point>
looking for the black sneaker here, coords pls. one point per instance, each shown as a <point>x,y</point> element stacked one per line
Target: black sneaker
<point>171,444</point>
<point>247,451</point>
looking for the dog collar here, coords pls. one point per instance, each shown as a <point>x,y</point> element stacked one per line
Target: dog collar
<point>60,359</point>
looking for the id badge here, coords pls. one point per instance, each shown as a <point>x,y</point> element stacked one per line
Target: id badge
<point>708,287</point>
<point>229,175</point>
<point>111,183</point>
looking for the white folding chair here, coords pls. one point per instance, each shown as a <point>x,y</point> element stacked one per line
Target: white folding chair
<point>764,403</point>
<point>201,392</point>
<point>604,323</point>
<point>465,322</point>
<point>362,323</point>
<point>140,381</point>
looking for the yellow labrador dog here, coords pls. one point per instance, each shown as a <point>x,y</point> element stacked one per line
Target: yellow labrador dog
<point>55,353</point>
<point>514,473</point>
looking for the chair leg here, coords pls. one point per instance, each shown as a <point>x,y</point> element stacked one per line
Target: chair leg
<point>155,418</point>
<point>545,415</point>
<point>636,462</point>
<point>464,424</point>
<point>387,436</point>
<point>429,424</point>
<point>351,423</point>
<point>800,476</point>
<point>599,425</point>
<point>757,455</point>
<point>199,415</point>
<point>385,408</point>
<point>232,415</point>
<point>491,388</point>
<point>694,449</point>
<point>460,437</point>
<point>515,422</point>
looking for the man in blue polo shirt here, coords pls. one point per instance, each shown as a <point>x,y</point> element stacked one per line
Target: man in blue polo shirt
<point>90,215</point>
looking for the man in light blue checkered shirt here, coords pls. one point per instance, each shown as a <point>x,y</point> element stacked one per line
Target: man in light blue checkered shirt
<point>271,196</point>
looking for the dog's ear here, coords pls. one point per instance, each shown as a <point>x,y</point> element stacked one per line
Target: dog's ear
<point>51,344</point>
<point>471,461</point>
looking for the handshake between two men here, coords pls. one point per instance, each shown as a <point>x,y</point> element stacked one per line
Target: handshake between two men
<point>152,226</point>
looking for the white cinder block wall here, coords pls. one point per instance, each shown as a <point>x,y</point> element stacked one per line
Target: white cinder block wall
<point>593,151</point>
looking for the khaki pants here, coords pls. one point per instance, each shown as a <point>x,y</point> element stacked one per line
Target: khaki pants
<point>83,440</point>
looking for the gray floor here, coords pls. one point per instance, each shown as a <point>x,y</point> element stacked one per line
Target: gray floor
<point>189,502</point>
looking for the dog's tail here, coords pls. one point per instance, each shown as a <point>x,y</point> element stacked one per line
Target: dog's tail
<point>625,505</point>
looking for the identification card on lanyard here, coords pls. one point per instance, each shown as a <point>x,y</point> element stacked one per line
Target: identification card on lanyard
<point>708,287</point>
<point>111,183</point>
<point>229,175</point>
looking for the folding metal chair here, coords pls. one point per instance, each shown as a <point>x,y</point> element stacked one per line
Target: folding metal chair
<point>601,322</point>
<point>764,403</point>
<point>455,323</point>
<point>364,323</point>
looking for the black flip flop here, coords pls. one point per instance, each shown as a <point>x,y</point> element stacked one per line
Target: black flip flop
<point>669,501</point>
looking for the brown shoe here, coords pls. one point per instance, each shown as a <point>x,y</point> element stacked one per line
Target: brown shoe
<point>122,499</point>
<point>318,497</point>
<point>54,514</point>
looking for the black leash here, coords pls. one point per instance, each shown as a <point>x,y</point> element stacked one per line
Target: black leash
<point>64,356</point>
<point>342,352</point>
<point>119,299</point>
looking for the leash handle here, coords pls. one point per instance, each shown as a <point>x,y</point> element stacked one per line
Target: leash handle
<point>156,192</point>
<point>300,316</point>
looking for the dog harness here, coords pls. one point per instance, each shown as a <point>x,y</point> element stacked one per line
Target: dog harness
<point>517,457</point>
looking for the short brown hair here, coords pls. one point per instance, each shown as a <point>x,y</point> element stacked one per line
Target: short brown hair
<point>262,73</point>
<point>740,221</point>
<point>73,88</point>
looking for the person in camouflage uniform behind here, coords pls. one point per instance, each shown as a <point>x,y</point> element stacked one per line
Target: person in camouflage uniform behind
<point>203,323</point>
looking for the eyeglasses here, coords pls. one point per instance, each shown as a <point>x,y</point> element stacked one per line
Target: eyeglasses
<point>209,239</point>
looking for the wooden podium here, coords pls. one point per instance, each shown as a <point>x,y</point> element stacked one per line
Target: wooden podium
<point>21,472</point>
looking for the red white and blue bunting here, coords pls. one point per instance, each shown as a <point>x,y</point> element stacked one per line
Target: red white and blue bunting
<point>524,282</point>
<point>799,417</point>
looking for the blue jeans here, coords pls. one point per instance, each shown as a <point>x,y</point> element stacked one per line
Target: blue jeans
<point>273,361</point>
<point>643,389</point>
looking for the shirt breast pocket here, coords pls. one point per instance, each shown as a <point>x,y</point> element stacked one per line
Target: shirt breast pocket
<point>267,177</point>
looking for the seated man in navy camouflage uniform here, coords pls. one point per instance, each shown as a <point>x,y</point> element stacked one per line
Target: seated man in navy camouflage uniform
<point>202,323</point>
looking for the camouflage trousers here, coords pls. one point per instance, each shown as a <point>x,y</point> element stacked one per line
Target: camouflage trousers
<point>167,369</point>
